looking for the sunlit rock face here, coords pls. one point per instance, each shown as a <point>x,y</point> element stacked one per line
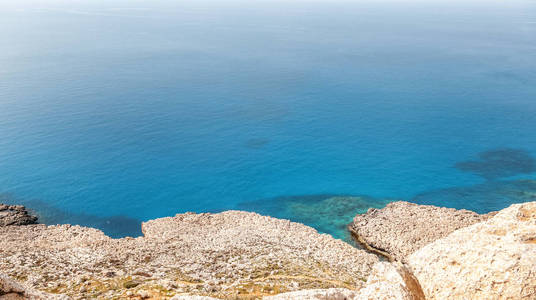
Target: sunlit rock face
<point>494,259</point>
<point>326,213</point>
<point>401,228</point>
<point>500,163</point>
<point>224,255</point>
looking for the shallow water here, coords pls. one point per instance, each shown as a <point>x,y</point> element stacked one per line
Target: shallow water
<point>115,112</point>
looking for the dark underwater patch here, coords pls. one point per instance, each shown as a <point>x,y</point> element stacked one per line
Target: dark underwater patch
<point>500,163</point>
<point>113,226</point>
<point>510,76</point>
<point>481,198</point>
<point>327,213</point>
<point>256,143</point>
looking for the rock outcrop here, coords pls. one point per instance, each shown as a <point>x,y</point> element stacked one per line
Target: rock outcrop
<point>241,255</point>
<point>12,290</point>
<point>15,215</point>
<point>495,259</point>
<point>224,255</point>
<point>401,228</point>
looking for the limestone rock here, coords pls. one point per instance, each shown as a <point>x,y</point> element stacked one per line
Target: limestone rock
<point>317,294</point>
<point>391,281</point>
<point>495,259</point>
<point>12,290</point>
<point>15,215</point>
<point>221,255</point>
<point>401,227</point>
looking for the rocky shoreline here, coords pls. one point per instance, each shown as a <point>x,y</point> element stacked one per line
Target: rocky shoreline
<point>435,253</point>
<point>401,228</point>
<point>15,215</point>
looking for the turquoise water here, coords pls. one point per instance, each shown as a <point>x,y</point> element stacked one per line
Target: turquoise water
<point>116,112</point>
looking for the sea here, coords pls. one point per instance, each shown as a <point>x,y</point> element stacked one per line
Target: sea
<point>116,112</point>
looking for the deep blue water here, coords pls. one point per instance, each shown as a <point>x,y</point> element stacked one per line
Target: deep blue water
<point>115,112</point>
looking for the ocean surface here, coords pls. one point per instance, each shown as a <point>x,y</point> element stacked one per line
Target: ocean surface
<point>116,112</point>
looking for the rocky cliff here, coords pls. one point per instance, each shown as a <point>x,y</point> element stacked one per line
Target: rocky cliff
<point>495,259</point>
<point>230,254</point>
<point>240,255</point>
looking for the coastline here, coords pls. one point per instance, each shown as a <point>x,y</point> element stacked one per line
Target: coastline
<point>243,255</point>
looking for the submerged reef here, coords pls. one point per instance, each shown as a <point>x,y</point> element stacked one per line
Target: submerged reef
<point>332,213</point>
<point>481,198</point>
<point>256,143</point>
<point>326,213</point>
<point>500,163</point>
<point>113,226</point>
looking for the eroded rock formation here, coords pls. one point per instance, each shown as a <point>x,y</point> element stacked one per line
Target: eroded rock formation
<point>495,259</point>
<point>401,227</point>
<point>226,254</point>
<point>15,215</point>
